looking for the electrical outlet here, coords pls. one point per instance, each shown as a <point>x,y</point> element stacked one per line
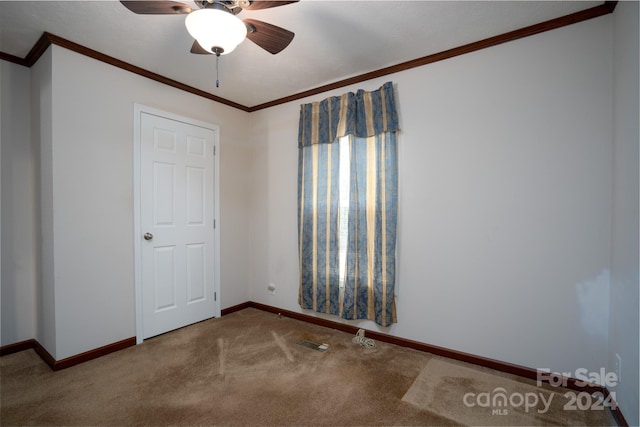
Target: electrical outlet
<point>619,367</point>
<point>271,288</point>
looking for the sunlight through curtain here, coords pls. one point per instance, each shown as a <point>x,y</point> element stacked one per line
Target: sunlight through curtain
<point>370,120</point>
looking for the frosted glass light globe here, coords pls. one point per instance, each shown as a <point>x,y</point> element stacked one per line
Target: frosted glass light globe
<point>214,28</point>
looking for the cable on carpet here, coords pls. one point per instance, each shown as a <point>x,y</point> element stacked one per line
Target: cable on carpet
<point>360,339</point>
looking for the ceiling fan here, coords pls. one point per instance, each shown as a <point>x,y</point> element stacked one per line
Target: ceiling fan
<point>215,27</point>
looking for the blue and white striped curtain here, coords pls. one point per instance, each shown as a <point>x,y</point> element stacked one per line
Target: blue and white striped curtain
<point>318,237</point>
<point>371,120</point>
<point>371,262</point>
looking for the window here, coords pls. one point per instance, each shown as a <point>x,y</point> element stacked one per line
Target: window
<point>347,204</point>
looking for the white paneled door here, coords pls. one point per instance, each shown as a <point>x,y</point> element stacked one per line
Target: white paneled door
<point>176,224</point>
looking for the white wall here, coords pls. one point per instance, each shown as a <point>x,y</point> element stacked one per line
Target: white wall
<point>93,195</point>
<point>41,137</point>
<point>623,325</point>
<point>19,245</point>
<point>82,121</point>
<point>505,195</point>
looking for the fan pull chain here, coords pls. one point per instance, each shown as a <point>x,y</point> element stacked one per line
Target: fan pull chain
<point>217,73</point>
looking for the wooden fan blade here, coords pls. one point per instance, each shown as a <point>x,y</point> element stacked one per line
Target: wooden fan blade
<point>156,7</point>
<point>269,37</point>
<point>199,50</point>
<point>265,4</point>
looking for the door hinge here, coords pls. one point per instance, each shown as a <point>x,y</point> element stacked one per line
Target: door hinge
<point>214,223</point>
<point>214,150</point>
<point>215,296</point>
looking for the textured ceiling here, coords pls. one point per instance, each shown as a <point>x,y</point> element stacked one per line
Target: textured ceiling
<point>334,39</point>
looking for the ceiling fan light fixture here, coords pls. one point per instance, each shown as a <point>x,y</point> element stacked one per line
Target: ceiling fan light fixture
<point>216,31</point>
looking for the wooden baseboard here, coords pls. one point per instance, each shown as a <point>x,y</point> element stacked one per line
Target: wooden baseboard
<point>616,412</point>
<point>510,368</point>
<point>17,347</point>
<point>226,311</point>
<point>45,355</point>
<point>57,365</point>
<point>68,362</point>
<point>93,354</point>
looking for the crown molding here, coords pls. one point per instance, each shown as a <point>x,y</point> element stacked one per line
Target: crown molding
<point>47,39</point>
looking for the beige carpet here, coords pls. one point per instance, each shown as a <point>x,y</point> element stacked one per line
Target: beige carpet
<point>471,396</point>
<point>246,368</point>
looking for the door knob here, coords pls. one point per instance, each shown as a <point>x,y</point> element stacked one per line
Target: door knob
<point>148,236</point>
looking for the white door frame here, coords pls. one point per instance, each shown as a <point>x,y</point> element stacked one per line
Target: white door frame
<point>138,110</point>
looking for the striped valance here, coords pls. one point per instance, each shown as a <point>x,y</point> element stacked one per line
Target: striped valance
<point>362,114</point>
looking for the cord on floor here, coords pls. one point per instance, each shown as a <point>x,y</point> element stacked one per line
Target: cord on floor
<point>360,339</point>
